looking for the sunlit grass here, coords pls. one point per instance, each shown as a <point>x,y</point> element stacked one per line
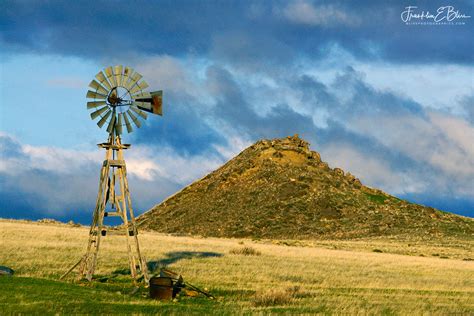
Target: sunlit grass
<point>331,276</point>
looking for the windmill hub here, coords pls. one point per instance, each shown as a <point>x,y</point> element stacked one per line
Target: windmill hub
<point>113,98</point>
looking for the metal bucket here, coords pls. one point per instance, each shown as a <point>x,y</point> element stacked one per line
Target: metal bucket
<point>161,288</point>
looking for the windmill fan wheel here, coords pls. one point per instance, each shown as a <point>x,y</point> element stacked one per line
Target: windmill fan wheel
<point>119,98</point>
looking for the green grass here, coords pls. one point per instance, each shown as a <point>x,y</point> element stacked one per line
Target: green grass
<point>26,295</point>
<point>377,198</point>
<point>33,295</point>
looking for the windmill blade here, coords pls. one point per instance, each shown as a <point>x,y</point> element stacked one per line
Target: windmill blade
<point>126,76</point>
<point>138,111</point>
<point>103,80</point>
<point>136,76</point>
<point>118,70</point>
<point>104,118</point>
<point>139,86</point>
<point>127,123</point>
<point>109,72</point>
<point>122,80</point>
<point>142,95</point>
<point>98,112</point>
<point>94,104</point>
<point>135,120</point>
<point>155,100</point>
<point>110,127</point>
<point>128,71</point>
<point>95,95</point>
<point>129,84</point>
<point>118,74</point>
<point>130,81</point>
<point>97,86</point>
<point>118,126</point>
<point>143,85</point>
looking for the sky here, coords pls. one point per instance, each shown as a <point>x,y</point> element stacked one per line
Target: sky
<point>385,97</point>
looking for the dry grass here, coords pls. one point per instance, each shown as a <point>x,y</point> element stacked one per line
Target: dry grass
<point>275,297</point>
<point>452,248</point>
<point>334,280</point>
<point>272,298</point>
<point>246,251</point>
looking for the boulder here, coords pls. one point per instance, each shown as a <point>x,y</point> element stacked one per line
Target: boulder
<point>6,271</point>
<point>339,171</point>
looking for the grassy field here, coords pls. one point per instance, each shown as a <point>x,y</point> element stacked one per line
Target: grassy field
<point>370,276</point>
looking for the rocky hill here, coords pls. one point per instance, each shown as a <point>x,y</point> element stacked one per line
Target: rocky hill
<point>280,189</point>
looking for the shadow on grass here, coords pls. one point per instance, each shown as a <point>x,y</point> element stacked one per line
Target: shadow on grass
<point>173,257</point>
<point>153,266</point>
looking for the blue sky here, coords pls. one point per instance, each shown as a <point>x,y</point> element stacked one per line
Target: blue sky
<point>391,103</point>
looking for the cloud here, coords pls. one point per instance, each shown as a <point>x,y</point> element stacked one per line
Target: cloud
<point>185,129</point>
<point>467,104</point>
<point>455,152</point>
<point>43,181</point>
<point>439,140</point>
<point>431,86</point>
<point>152,162</point>
<point>305,12</point>
<point>50,181</point>
<point>234,110</point>
<point>374,171</point>
<point>239,32</point>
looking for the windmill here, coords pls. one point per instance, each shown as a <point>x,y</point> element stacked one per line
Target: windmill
<point>119,100</point>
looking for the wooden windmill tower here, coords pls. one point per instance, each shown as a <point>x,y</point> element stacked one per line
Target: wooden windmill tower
<point>118,98</point>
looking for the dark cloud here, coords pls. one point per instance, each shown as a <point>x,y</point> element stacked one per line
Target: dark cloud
<point>366,100</point>
<point>47,192</point>
<point>14,205</point>
<point>33,191</point>
<point>234,110</point>
<point>235,31</point>
<point>184,129</point>
<point>313,92</point>
<point>35,194</point>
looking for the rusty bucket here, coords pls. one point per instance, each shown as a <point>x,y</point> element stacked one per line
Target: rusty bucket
<point>161,288</point>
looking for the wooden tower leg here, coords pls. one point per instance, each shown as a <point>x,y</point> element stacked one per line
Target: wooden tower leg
<point>97,233</point>
<point>124,213</point>
<point>133,229</point>
<point>90,259</point>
